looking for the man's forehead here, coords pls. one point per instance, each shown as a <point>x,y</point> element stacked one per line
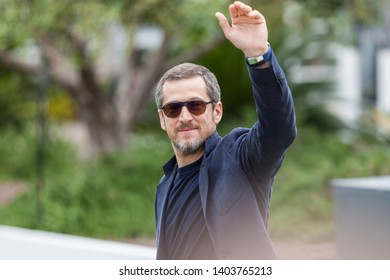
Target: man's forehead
<point>186,79</point>
<point>188,88</point>
<point>192,82</point>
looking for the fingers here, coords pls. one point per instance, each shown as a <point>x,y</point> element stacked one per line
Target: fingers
<point>239,9</point>
<point>257,16</point>
<point>254,14</point>
<point>223,22</point>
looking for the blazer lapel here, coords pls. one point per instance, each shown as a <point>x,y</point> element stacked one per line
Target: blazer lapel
<point>162,197</point>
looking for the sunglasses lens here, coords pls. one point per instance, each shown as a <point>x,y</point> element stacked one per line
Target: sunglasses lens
<point>172,110</point>
<point>196,107</point>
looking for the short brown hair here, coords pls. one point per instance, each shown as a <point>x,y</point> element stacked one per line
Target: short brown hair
<point>189,70</point>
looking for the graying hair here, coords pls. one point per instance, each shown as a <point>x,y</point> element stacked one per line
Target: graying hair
<point>189,70</point>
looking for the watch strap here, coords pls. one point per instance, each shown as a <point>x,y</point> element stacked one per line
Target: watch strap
<point>261,59</point>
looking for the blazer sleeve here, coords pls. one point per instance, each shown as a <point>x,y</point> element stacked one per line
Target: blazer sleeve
<point>262,149</point>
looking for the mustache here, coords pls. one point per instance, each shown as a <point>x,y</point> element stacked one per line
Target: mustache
<point>186,126</point>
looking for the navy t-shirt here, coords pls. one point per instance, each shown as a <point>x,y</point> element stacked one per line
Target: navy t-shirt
<point>186,234</point>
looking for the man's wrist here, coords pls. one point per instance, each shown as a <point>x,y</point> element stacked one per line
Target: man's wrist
<point>258,60</point>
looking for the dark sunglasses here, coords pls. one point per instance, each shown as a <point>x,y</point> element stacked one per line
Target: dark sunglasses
<point>196,107</point>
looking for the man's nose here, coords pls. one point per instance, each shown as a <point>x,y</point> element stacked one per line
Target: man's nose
<point>185,115</point>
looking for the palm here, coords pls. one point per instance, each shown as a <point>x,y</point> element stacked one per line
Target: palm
<point>248,31</point>
<point>245,34</point>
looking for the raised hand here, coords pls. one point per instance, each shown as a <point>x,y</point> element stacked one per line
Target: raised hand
<point>248,30</point>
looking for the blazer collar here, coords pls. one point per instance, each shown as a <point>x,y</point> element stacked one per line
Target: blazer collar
<point>211,142</point>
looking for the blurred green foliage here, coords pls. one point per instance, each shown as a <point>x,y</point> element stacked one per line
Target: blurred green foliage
<point>16,94</point>
<point>303,203</point>
<point>114,198</point>
<point>18,101</point>
<point>111,198</point>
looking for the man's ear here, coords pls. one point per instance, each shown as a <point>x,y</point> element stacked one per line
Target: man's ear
<point>162,119</point>
<point>218,112</point>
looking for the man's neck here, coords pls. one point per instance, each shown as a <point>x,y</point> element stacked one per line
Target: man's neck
<point>183,160</point>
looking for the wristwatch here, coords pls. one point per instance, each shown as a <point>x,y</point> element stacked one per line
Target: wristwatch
<point>261,59</point>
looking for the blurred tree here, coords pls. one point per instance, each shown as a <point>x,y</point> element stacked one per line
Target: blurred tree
<point>15,108</point>
<point>106,54</point>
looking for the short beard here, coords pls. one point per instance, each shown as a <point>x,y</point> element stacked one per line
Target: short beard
<point>188,149</point>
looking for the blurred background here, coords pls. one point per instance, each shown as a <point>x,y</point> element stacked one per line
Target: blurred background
<point>81,148</point>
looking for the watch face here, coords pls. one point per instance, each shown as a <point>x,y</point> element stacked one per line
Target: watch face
<point>261,59</point>
<point>255,60</point>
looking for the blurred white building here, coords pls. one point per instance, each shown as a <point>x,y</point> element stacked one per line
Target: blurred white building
<point>361,72</point>
<point>26,244</point>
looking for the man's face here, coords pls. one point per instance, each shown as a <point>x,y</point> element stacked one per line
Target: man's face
<point>188,131</point>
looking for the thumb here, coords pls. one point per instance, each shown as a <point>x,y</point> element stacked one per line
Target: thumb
<point>223,22</point>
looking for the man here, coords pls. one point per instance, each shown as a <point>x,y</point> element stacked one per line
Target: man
<point>213,201</point>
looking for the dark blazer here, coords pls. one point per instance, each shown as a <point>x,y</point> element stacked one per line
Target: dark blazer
<point>237,173</point>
